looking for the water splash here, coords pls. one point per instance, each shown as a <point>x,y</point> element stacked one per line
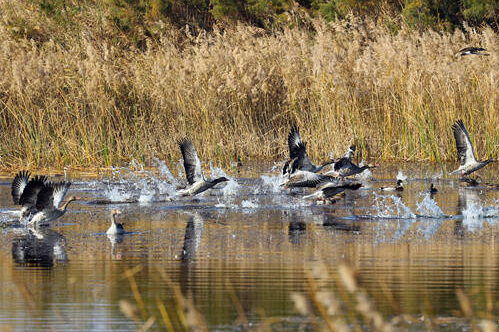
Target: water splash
<point>134,183</point>
<point>391,207</point>
<point>270,184</point>
<point>231,187</point>
<point>249,204</point>
<point>366,175</point>
<point>428,207</point>
<point>401,176</point>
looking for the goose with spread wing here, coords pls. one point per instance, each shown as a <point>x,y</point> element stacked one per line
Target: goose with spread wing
<point>298,157</point>
<point>305,179</point>
<point>25,192</point>
<point>197,183</point>
<point>48,200</point>
<point>465,153</point>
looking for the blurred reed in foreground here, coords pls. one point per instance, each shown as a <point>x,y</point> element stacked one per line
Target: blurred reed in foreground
<point>85,97</point>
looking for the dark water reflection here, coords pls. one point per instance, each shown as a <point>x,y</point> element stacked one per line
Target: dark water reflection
<point>411,257</point>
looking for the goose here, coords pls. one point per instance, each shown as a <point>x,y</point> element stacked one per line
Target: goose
<point>194,174</point>
<point>327,189</point>
<point>465,152</point>
<point>472,51</point>
<point>305,179</point>
<point>298,157</point>
<point>345,167</point>
<point>25,191</point>
<point>398,187</point>
<point>48,200</point>
<point>115,228</point>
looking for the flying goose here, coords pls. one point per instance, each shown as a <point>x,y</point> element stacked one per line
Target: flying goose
<point>194,174</point>
<point>398,187</point>
<point>472,50</point>
<point>465,152</point>
<point>298,157</point>
<point>48,200</point>
<point>115,228</point>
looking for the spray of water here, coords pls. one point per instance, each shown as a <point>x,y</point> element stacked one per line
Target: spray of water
<point>428,207</point>
<point>391,207</point>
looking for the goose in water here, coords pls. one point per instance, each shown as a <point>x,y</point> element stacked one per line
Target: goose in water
<point>472,51</point>
<point>48,200</point>
<point>25,192</point>
<point>192,165</point>
<point>345,167</point>
<point>298,157</point>
<point>305,179</point>
<point>115,228</point>
<point>465,152</point>
<point>327,190</point>
<point>398,187</point>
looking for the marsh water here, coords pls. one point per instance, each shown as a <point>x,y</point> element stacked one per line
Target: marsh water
<point>242,250</point>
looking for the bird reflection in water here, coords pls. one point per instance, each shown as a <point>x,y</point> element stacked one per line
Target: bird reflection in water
<point>297,228</point>
<point>192,237</point>
<point>40,247</point>
<point>115,239</point>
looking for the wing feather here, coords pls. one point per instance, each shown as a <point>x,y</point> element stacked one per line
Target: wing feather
<point>30,193</point>
<point>192,164</point>
<point>19,184</point>
<point>51,195</point>
<point>464,147</point>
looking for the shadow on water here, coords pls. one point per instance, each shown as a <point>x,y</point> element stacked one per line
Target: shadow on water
<point>39,247</point>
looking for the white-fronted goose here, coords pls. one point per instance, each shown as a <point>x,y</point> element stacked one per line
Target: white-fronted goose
<point>115,228</point>
<point>465,152</point>
<point>194,174</point>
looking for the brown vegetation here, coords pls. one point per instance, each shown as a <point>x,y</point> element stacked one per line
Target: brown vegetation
<point>85,97</point>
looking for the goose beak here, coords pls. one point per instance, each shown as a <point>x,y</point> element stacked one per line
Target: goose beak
<point>77,198</point>
<point>117,212</point>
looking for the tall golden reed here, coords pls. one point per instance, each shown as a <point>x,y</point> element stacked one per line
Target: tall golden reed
<point>78,94</point>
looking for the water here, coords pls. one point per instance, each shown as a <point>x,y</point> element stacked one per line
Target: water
<point>251,244</point>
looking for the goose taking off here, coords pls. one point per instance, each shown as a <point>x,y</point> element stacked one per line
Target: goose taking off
<point>472,50</point>
<point>25,192</point>
<point>465,152</point>
<point>115,228</point>
<point>192,165</point>
<point>48,200</point>
<point>298,157</point>
<point>328,189</point>
<point>345,167</point>
<point>305,179</point>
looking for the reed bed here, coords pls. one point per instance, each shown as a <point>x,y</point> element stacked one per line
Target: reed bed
<point>77,93</point>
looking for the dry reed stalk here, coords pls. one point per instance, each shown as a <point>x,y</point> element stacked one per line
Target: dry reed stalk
<point>83,97</point>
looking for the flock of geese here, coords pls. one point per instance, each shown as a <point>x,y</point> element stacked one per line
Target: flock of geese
<point>41,200</point>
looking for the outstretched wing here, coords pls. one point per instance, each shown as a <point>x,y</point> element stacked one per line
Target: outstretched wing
<point>295,143</point>
<point>30,193</point>
<point>51,195</point>
<point>192,164</point>
<point>331,191</point>
<point>19,184</point>
<point>463,144</point>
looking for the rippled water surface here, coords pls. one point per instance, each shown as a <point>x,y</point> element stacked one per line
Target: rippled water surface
<point>242,250</point>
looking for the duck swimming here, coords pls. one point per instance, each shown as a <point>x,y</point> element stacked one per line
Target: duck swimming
<point>115,228</point>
